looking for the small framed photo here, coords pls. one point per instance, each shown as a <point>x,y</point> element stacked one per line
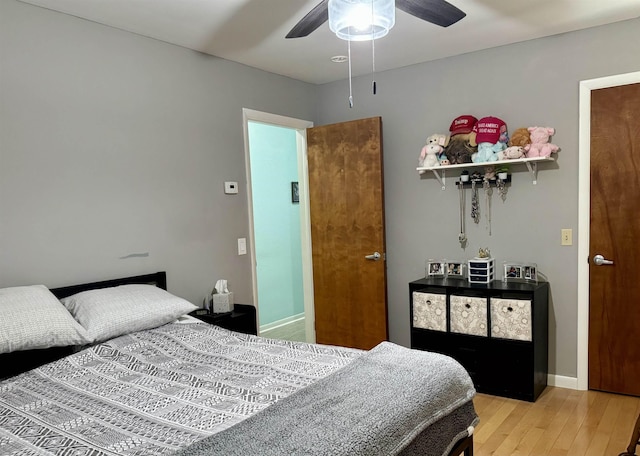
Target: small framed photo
<point>455,269</point>
<point>520,272</point>
<point>295,192</point>
<point>530,272</point>
<point>436,268</point>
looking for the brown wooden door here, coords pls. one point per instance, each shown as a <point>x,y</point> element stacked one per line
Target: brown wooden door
<point>347,223</point>
<point>614,304</point>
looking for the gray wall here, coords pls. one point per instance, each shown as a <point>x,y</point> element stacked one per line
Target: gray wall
<point>112,144</point>
<point>526,84</point>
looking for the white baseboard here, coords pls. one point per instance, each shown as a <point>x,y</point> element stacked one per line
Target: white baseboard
<point>281,323</point>
<point>562,382</point>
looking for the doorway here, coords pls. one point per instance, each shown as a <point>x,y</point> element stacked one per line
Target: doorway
<point>280,246</point>
<point>344,275</point>
<point>584,203</point>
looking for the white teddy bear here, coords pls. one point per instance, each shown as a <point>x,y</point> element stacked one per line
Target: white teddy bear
<point>429,155</point>
<point>433,153</point>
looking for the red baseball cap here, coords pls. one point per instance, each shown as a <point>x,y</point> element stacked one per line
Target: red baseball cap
<point>489,129</point>
<point>462,124</point>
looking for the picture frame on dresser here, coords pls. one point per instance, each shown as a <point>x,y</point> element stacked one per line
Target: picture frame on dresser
<point>456,269</point>
<point>435,268</point>
<point>520,272</point>
<point>512,271</point>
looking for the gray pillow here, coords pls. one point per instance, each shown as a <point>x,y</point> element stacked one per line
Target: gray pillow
<point>32,317</point>
<point>110,312</point>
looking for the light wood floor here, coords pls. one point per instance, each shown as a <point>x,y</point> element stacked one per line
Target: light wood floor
<point>562,422</point>
<point>293,331</point>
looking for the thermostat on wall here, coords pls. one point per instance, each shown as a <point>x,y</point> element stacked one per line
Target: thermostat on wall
<point>231,188</point>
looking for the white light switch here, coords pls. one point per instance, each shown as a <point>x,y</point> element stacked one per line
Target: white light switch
<point>242,246</point>
<point>231,188</point>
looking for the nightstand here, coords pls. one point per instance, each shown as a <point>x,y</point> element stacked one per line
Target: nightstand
<point>241,319</point>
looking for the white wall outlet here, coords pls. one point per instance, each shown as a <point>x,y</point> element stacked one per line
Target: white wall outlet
<point>567,236</point>
<point>231,188</point>
<point>242,246</point>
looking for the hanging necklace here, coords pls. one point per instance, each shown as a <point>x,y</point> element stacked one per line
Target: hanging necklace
<point>475,207</point>
<point>488,192</point>
<point>502,188</point>
<point>462,237</point>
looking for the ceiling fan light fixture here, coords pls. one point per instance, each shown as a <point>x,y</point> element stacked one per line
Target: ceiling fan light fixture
<point>361,20</point>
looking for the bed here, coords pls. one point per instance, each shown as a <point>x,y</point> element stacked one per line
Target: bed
<point>180,386</point>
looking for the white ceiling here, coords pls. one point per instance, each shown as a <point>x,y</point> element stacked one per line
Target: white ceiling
<point>252,31</point>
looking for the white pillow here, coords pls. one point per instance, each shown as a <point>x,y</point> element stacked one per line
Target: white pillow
<point>32,317</point>
<point>109,312</point>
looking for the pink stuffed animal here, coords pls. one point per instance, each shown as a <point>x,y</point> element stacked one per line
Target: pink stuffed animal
<point>540,145</point>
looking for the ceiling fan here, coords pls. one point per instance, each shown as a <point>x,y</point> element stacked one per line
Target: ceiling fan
<point>439,12</point>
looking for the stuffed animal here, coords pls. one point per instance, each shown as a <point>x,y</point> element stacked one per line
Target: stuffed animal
<point>421,159</point>
<point>520,137</point>
<point>540,145</point>
<point>488,152</point>
<point>492,137</point>
<point>461,147</point>
<point>511,153</point>
<point>443,141</point>
<point>489,172</point>
<point>462,142</point>
<point>438,138</point>
<point>504,137</point>
<point>429,156</point>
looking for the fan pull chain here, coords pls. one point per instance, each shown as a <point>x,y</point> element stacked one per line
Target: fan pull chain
<point>373,65</point>
<point>373,54</point>
<point>350,87</point>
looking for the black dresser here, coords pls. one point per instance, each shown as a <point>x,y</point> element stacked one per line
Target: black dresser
<point>497,331</point>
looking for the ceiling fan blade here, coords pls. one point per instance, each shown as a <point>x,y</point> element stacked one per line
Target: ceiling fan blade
<point>439,12</point>
<point>314,19</point>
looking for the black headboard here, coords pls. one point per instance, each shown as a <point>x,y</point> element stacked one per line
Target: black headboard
<point>159,279</point>
<point>16,362</point>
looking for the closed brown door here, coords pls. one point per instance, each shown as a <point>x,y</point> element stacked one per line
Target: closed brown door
<point>347,224</point>
<point>614,305</point>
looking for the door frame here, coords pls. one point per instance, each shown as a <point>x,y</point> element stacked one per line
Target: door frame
<point>250,115</point>
<point>584,198</point>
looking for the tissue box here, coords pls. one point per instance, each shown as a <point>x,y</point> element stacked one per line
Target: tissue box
<point>222,302</point>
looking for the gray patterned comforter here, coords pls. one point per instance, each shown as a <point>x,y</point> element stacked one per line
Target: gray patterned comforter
<point>377,405</point>
<point>154,392</point>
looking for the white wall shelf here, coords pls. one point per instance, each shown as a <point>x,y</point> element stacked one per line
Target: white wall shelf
<point>531,163</point>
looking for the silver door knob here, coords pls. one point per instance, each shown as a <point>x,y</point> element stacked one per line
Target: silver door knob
<point>375,256</point>
<point>599,260</point>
